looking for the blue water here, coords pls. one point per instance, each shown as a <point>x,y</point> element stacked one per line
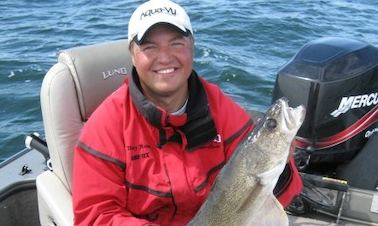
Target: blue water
<point>240,45</point>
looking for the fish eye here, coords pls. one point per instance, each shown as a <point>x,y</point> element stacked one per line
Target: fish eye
<point>271,123</point>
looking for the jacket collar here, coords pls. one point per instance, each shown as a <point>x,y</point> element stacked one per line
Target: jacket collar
<point>194,128</point>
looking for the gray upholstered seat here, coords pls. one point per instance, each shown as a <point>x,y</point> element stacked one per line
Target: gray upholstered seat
<point>71,91</point>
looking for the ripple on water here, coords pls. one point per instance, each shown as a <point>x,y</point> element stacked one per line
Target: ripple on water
<point>240,45</point>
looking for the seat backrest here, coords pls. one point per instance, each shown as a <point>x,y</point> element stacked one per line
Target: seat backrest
<point>71,91</point>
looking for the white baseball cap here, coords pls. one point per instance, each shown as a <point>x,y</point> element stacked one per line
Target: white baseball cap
<point>157,11</point>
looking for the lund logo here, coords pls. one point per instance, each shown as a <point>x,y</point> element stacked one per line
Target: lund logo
<point>113,72</point>
<point>352,102</point>
<point>151,12</point>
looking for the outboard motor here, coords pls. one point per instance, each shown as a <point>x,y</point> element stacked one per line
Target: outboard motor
<point>336,79</point>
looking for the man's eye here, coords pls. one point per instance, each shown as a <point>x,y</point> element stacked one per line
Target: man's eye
<point>147,48</point>
<point>178,44</point>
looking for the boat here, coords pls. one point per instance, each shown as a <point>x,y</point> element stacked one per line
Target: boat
<point>35,182</point>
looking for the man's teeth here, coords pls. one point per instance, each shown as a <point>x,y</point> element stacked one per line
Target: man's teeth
<point>166,71</point>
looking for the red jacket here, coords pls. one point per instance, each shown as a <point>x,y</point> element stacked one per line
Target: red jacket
<point>135,164</point>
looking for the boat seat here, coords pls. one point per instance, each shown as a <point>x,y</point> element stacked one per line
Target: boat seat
<point>71,90</point>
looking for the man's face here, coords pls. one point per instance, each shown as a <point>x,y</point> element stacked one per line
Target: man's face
<point>163,61</point>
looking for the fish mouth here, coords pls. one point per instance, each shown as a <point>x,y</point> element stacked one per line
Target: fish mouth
<point>292,118</point>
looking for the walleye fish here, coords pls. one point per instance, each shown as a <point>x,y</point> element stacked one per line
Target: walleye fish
<point>243,191</point>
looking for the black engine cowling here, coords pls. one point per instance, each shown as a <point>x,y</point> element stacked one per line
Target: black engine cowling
<point>336,79</point>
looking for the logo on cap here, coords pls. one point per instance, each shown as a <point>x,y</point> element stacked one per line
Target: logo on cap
<point>165,10</point>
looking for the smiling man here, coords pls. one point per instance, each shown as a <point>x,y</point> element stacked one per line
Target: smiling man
<point>150,152</point>
<point>163,61</point>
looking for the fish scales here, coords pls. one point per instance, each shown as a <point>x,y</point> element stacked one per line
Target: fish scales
<point>243,191</point>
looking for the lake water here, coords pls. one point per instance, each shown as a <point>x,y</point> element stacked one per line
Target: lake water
<point>240,45</point>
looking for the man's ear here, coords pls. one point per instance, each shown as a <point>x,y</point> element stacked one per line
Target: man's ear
<point>131,52</point>
<point>132,59</point>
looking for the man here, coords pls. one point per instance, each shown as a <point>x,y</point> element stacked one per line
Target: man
<point>151,151</point>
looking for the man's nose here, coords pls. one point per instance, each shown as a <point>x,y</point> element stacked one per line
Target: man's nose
<point>164,55</point>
